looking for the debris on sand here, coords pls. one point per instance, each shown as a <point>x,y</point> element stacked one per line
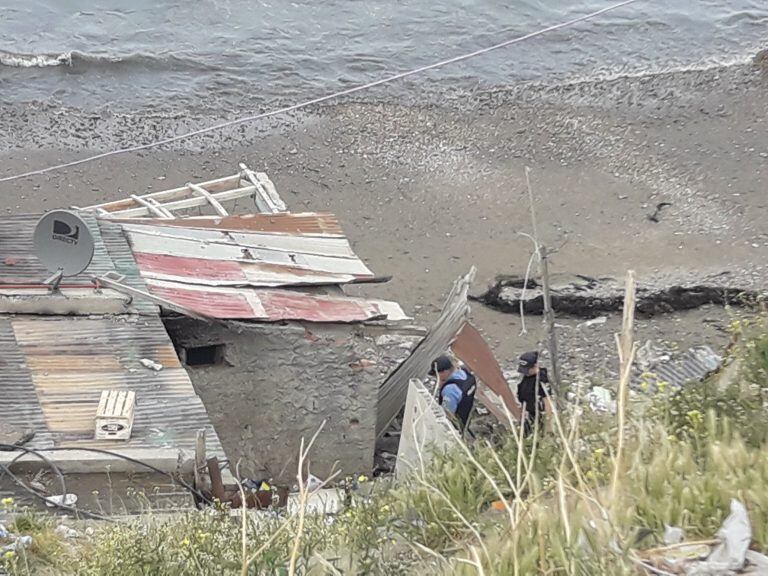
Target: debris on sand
<point>586,297</point>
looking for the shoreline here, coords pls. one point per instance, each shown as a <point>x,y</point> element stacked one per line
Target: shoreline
<point>425,191</point>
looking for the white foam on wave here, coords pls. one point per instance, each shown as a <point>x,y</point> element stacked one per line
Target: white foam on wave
<point>18,60</point>
<point>703,65</point>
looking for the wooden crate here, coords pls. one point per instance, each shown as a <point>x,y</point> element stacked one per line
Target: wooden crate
<point>114,418</point>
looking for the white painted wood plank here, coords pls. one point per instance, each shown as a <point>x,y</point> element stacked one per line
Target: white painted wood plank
<point>190,248</point>
<point>317,245</point>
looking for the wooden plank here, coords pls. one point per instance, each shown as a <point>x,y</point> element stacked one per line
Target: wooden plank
<point>271,191</point>
<point>267,201</point>
<point>211,200</point>
<point>82,462</point>
<point>216,185</point>
<point>191,202</point>
<point>200,457</point>
<point>103,402</point>
<point>153,208</point>
<point>111,398</point>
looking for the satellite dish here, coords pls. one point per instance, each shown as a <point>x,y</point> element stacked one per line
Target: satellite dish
<point>63,244</point>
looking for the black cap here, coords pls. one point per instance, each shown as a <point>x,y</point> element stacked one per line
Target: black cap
<point>527,361</point>
<point>442,363</point>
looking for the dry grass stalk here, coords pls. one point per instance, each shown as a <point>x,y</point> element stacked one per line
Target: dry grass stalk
<point>627,349</point>
<point>243,526</point>
<point>304,494</point>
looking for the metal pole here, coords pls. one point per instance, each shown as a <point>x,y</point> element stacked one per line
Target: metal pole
<point>549,320</point>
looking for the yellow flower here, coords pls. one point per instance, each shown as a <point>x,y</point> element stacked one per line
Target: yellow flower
<point>185,542</point>
<point>662,385</point>
<point>362,478</point>
<point>7,502</point>
<point>9,555</point>
<point>694,417</point>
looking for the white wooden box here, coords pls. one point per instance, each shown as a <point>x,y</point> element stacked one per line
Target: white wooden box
<point>114,418</point>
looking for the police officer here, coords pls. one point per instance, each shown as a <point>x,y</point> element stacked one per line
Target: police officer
<point>456,389</point>
<point>532,392</point>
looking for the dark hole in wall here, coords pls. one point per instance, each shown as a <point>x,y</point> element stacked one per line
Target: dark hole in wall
<point>204,355</point>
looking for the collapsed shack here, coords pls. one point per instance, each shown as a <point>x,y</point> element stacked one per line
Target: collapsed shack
<point>234,336</point>
<point>584,296</point>
<point>256,315</point>
<point>255,307</point>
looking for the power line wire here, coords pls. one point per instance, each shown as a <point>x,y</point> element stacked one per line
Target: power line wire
<point>327,97</point>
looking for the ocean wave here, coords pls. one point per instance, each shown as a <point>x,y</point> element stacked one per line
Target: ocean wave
<point>84,60</point>
<point>20,60</point>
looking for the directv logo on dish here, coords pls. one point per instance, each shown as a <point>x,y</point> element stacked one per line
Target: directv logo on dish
<point>64,233</point>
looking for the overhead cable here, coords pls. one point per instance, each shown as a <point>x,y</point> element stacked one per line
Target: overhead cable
<point>321,99</point>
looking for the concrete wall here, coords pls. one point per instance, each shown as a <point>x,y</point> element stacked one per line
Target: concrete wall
<point>278,383</point>
<point>426,429</point>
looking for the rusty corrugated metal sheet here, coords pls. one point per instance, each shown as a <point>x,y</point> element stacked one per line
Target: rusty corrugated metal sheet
<point>440,336</point>
<point>275,305</point>
<point>61,365</point>
<point>222,273</point>
<point>19,265</point>
<point>472,349</point>
<point>309,223</point>
<point>18,398</point>
<point>216,258</point>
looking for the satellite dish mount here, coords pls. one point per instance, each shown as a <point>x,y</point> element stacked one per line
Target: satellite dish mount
<point>55,280</point>
<point>64,245</point>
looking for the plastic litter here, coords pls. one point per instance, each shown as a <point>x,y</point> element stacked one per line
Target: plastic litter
<point>730,555</point>
<point>152,365</point>
<point>600,400</point>
<point>61,500</point>
<point>600,320</point>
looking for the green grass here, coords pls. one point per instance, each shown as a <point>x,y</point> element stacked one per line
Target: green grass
<point>688,453</point>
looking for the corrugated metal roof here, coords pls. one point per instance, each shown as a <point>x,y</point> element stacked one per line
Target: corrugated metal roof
<point>58,366</point>
<point>274,305</point>
<point>308,224</point>
<point>20,265</point>
<point>221,258</point>
<point>692,365</point>
<point>21,271</point>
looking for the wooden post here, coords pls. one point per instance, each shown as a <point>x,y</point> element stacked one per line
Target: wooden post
<point>200,457</point>
<point>549,320</point>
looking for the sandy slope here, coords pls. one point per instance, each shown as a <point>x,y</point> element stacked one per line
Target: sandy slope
<point>425,191</point>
